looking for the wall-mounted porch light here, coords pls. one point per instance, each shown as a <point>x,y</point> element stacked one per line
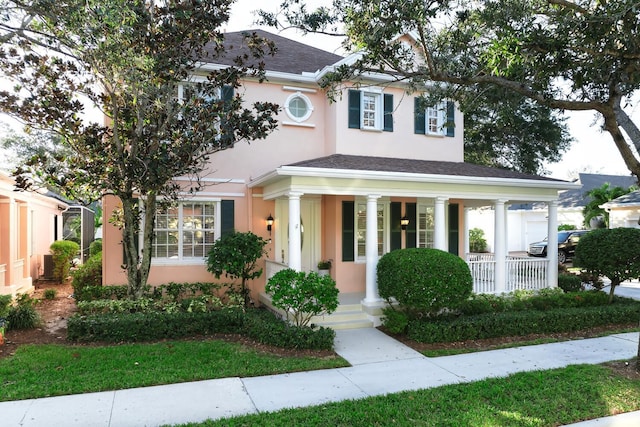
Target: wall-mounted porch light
<point>404,221</point>
<point>269,223</point>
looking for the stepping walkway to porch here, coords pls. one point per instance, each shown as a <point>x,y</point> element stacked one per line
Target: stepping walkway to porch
<point>380,365</point>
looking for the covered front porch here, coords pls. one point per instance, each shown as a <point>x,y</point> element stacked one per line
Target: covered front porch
<point>348,209</point>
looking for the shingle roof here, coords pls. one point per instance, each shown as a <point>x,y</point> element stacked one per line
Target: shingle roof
<point>291,56</point>
<point>628,199</point>
<point>427,167</point>
<point>589,181</point>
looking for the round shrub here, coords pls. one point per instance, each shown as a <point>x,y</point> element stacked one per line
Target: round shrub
<point>569,282</point>
<point>89,274</point>
<point>424,280</point>
<point>95,247</point>
<point>613,253</point>
<point>63,252</point>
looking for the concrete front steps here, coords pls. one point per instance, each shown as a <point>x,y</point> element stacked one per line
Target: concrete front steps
<point>348,315</point>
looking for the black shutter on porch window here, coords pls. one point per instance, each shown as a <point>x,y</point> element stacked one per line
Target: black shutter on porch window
<point>227,220</point>
<point>454,228</point>
<point>396,229</point>
<point>411,235</point>
<point>348,231</point>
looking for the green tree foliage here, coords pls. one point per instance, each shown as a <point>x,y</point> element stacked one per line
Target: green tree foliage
<point>599,196</point>
<point>63,252</point>
<point>88,274</point>
<point>613,253</point>
<point>129,59</point>
<point>424,281</point>
<point>236,255</point>
<point>477,242</point>
<point>304,295</point>
<point>575,55</point>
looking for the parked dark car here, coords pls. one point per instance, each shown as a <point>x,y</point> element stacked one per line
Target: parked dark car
<point>567,242</point>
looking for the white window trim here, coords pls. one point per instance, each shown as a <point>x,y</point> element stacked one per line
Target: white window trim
<point>379,108</point>
<point>441,114</point>
<point>423,205</point>
<point>386,229</point>
<point>306,100</point>
<point>180,260</point>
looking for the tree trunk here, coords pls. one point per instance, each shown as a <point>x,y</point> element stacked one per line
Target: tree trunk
<point>612,125</point>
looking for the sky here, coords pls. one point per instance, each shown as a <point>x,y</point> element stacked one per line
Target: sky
<point>593,151</point>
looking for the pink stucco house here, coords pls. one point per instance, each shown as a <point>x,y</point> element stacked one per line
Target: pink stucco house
<point>337,178</point>
<point>29,223</point>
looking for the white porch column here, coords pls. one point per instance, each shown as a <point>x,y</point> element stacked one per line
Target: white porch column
<point>500,246</point>
<point>552,244</point>
<point>295,249</point>
<point>371,250</point>
<point>440,224</point>
<point>465,238</point>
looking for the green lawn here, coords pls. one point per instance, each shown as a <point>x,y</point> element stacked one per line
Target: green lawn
<point>50,370</point>
<point>544,398</point>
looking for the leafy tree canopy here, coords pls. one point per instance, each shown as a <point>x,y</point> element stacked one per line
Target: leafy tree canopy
<point>599,196</point>
<point>129,59</point>
<point>580,55</point>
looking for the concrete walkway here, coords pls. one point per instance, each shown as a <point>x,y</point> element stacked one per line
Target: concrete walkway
<point>380,365</point>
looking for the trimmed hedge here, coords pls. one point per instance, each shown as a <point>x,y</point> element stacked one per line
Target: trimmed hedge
<point>258,324</point>
<point>518,323</point>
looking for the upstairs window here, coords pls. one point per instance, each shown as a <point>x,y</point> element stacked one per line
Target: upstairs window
<point>370,110</point>
<point>434,120</point>
<point>298,107</point>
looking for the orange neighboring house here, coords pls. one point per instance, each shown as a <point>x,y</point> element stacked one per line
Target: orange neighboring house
<point>338,178</point>
<point>29,223</point>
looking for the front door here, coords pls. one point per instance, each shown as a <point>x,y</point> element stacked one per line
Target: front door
<point>310,213</point>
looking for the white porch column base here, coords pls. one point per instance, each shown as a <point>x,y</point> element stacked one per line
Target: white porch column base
<point>552,244</point>
<point>440,224</point>
<point>500,246</point>
<point>295,249</point>
<point>371,251</point>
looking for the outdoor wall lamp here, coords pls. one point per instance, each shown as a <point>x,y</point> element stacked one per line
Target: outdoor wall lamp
<point>404,221</point>
<point>269,223</point>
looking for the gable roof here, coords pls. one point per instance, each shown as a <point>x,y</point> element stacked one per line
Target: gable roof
<point>589,181</point>
<point>628,200</point>
<point>414,166</point>
<point>290,57</point>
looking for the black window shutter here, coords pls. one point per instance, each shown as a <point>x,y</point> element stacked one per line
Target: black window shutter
<point>388,112</point>
<point>227,221</point>
<point>454,228</point>
<point>354,109</point>
<point>396,229</point>
<point>411,235</point>
<point>226,94</point>
<point>451,120</point>
<point>419,116</point>
<point>348,231</point>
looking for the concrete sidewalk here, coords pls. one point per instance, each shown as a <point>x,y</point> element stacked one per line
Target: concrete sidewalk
<point>380,365</point>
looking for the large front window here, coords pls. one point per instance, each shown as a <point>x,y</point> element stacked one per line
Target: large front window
<point>185,231</point>
<point>361,229</point>
<point>425,226</point>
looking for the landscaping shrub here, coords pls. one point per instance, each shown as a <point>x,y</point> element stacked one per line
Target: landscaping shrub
<point>5,303</point>
<point>236,255</point>
<point>88,274</point>
<point>394,320</point>
<point>95,247</point>
<point>569,282</point>
<point>477,242</point>
<point>613,253</point>
<point>255,323</point>
<point>304,295</point>
<point>63,253</point>
<point>424,281</point>
<point>50,294</point>
<point>520,323</point>
<point>92,293</point>
<point>22,314</point>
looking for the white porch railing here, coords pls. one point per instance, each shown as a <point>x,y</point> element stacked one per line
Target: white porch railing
<point>272,267</point>
<point>522,273</point>
<point>3,270</point>
<point>17,272</point>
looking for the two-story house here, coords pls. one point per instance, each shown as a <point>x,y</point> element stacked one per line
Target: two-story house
<point>336,181</point>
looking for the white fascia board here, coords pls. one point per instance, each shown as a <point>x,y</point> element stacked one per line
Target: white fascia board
<point>270,75</point>
<point>610,205</point>
<point>405,176</point>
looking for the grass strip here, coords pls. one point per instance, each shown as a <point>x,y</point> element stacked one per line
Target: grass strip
<point>50,370</point>
<point>531,399</point>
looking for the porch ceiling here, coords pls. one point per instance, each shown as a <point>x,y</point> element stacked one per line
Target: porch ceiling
<point>363,175</point>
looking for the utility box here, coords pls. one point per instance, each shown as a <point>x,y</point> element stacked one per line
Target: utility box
<point>47,265</point>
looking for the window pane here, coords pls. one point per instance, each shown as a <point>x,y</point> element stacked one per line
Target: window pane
<point>298,107</point>
<point>425,226</point>
<point>369,104</point>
